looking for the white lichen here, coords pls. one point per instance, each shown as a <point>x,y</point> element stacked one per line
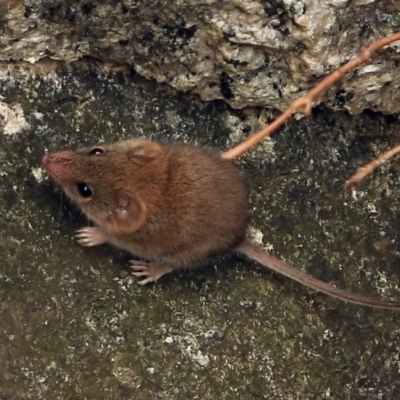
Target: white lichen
<point>12,118</point>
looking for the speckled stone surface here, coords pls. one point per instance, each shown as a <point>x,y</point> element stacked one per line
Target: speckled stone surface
<point>246,52</point>
<point>75,325</point>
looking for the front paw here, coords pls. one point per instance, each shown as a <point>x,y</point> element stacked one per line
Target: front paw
<point>91,236</point>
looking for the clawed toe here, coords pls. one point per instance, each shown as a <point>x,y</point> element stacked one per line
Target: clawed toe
<point>140,270</point>
<point>90,236</point>
<point>84,241</point>
<point>145,281</point>
<point>139,265</point>
<point>139,274</point>
<point>150,272</point>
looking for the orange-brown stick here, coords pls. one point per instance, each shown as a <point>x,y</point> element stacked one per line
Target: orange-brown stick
<point>367,169</point>
<point>306,102</point>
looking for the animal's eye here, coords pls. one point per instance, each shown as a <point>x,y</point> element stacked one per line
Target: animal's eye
<point>84,190</point>
<point>96,151</point>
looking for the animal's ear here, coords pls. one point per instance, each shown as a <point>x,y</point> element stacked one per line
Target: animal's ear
<point>144,152</point>
<point>129,212</point>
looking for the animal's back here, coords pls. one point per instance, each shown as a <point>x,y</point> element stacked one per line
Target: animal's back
<point>202,212</point>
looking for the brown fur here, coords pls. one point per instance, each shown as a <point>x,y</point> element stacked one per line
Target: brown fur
<point>175,206</point>
<point>196,204</point>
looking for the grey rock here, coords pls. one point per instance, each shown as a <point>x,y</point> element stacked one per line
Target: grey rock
<point>246,52</point>
<point>74,324</point>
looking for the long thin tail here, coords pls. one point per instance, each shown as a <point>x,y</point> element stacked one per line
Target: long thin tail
<point>273,263</point>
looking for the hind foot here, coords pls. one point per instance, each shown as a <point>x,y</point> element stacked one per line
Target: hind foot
<point>148,272</point>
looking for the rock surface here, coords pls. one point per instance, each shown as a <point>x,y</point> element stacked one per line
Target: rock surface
<point>246,52</point>
<point>74,323</point>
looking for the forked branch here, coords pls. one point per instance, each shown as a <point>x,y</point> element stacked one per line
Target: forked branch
<point>305,102</point>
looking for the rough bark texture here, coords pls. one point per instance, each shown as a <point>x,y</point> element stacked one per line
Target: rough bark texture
<point>245,52</point>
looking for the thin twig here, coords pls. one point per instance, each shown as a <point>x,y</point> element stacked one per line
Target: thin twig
<point>367,169</point>
<point>306,102</point>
